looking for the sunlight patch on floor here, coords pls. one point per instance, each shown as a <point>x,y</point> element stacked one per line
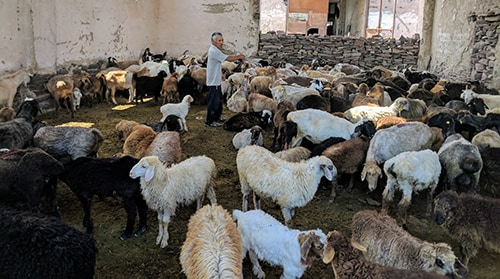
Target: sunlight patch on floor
<point>77,124</point>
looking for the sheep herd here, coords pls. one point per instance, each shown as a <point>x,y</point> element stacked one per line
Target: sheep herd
<point>382,132</point>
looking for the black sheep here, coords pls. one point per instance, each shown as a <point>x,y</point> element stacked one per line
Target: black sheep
<point>29,175</point>
<point>18,132</point>
<point>246,120</point>
<point>145,85</point>
<point>107,177</point>
<point>40,246</point>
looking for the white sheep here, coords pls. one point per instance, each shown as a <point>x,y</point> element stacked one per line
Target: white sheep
<point>291,93</point>
<point>179,109</point>
<point>408,172</point>
<point>289,184</point>
<point>165,188</point>
<point>389,142</point>
<point>9,84</point>
<point>248,137</point>
<point>238,101</point>
<point>318,125</point>
<point>374,113</point>
<point>267,239</point>
<point>77,98</point>
<point>213,247</point>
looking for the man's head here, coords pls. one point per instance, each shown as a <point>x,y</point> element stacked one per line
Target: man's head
<point>217,39</point>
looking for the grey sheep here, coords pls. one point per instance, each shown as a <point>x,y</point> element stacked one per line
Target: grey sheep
<point>18,132</point>
<point>64,142</point>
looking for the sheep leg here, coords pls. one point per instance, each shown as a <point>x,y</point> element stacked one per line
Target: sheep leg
<point>184,125</point>
<point>430,200</point>
<point>350,186</point>
<point>405,201</point>
<point>51,194</point>
<point>245,193</point>
<point>287,215</point>
<point>160,228</point>
<point>87,220</point>
<point>333,193</point>
<point>131,209</point>
<point>113,92</point>
<point>256,201</point>
<point>211,194</point>
<point>257,269</point>
<point>131,95</point>
<point>388,194</point>
<point>165,221</point>
<point>142,208</point>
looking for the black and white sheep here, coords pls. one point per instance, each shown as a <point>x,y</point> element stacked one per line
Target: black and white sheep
<point>289,184</point>
<point>18,132</point>
<point>29,175</point>
<point>147,85</point>
<point>461,164</point>
<point>471,219</point>
<point>164,189</point>
<point>66,142</point>
<point>389,244</point>
<point>40,246</point>
<point>107,177</point>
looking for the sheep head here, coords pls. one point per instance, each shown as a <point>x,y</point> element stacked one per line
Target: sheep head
<point>326,165</point>
<point>145,168</point>
<point>311,246</point>
<point>445,205</point>
<point>371,172</point>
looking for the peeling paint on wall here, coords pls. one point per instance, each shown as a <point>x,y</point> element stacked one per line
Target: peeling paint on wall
<point>219,8</point>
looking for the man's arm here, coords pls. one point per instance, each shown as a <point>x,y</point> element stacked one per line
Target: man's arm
<point>235,57</point>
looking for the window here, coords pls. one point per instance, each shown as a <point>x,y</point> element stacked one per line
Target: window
<point>391,18</point>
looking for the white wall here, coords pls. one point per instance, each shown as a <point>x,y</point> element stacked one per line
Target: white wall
<point>43,34</point>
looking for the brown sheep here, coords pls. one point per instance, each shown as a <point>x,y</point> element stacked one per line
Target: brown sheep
<point>6,114</point>
<point>139,140</point>
<point>348,262</point>
<point>388,121</point>
<point>362,99</point>
<point>471,219</point>
<point>124,128</point>
<point>261,84</point>
<point>279,118</point>
<point>378,93</point>
<point>61,89</point>
<point>258,102</point>
<point>169,90</point>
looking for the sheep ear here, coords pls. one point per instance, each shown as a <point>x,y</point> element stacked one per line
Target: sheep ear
<point>357,245</point>
<point>150,172</point>
<point>328,254</point>
<point>305,241</point>
<point>363,174</point>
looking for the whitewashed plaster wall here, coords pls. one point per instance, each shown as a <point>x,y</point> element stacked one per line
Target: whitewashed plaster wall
<point>44,34</point>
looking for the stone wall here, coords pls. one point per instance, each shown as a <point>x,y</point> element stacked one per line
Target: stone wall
<point>487,30</point>
<point>363,52</point>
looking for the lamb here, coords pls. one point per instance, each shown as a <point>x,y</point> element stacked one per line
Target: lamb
<point>298,182</point>
<point>116,79</point>
<point>165,188</point>
<point>411,171</point>
<point>61,89</point>
<point>18,132</point>
<point>28,175</point>
<point>36,245</point>
<point>9,84</point>
<point>388,244</point>
<point>259,102</point>
<point>461,164</point>
<point>170,90</point>
<point>213,246</point>
<point>248,137</point>
<point>7,114</point>
<point>77,98</point>
<point>471,219</point>
<point>389,142</point>
<point>107,177</point>
<point>348,262</point>
<point>317,125</point>
<point>65,141</point>
<point>267,239</point>
<point>180,109</point>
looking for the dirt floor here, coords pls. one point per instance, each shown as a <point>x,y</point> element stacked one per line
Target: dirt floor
<point>141,258</point>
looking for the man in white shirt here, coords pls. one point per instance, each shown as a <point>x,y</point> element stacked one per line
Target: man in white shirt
<point>214,79</point>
